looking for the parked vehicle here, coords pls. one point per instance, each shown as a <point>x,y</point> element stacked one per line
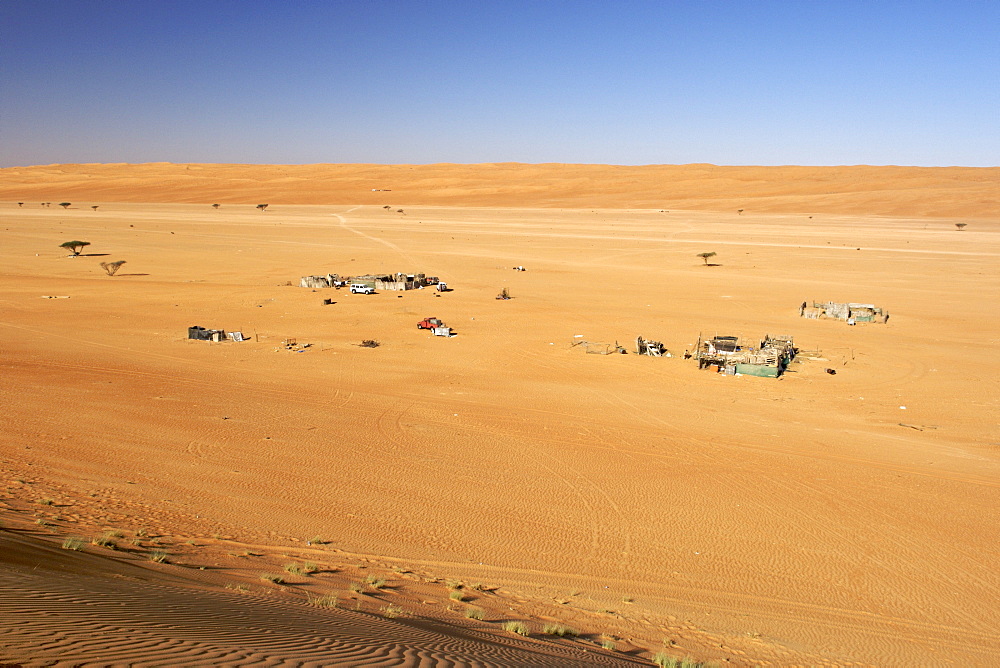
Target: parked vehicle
<point>362,289</point>
<point>430,323</point>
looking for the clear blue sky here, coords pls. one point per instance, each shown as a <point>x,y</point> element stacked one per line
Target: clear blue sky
<point>813,82</point>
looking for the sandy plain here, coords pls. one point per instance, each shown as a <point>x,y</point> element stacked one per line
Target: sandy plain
<point>818,519</point>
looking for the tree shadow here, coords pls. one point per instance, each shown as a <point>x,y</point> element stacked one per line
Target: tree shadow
<point>93,254</point>
<point>131,274</point>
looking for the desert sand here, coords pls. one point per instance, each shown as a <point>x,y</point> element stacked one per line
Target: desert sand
<point>815,519</point>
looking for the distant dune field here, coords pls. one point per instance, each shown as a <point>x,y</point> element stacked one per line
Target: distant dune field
<point>964,192</point>
<point>822,518</point>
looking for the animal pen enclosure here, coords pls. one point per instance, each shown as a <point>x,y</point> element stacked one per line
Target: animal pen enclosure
<point>592,348</point>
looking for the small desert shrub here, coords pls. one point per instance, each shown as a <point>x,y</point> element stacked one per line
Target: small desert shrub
<point>608,645</point>
<point>318,541</point>
<point>293,568</point>
<point>479,586</point>
<point>375,582</point>
<point>238,587</point>
<point>457,595</point>
<point>474,613</point>
<point>324,601</point>
<point>107,539</point>
<point>158,556</point>
<point>520,628</point>
<point>628,599</point>
<point>273,578</point>
<point>391,611</point>
<point>42,523</point>
<point>369,343</point>
<point>75,544</point>
<point>664,660</point>
<point>559,630</point>
<point>357,587</point>
<point>46,502</point>
<point>111,268</point>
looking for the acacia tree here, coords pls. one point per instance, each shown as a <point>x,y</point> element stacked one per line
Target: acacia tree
<point>75,246</point>
<point>705,256</point>
<point>94,207</point>
<point>960,226</point>
<point>262,207</point>
<point>65,205</point>
<point>216,206</point>
<point>112,267</point>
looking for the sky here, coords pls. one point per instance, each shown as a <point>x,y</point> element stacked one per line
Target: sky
<point>813,82</point>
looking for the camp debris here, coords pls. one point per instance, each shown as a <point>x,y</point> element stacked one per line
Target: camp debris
<point>651,348</point>
<point>294,346</point>
<point>729,355</point>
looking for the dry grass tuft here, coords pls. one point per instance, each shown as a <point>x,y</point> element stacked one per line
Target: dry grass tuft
<point>520,628</point>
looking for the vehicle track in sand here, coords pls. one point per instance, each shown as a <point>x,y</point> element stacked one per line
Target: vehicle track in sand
<point>342,399</point>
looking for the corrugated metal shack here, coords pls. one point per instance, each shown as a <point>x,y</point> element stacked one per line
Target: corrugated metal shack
<point>199,333</point>
<point>322,281</point>
<point>850,312</point>
<point>729,355</point>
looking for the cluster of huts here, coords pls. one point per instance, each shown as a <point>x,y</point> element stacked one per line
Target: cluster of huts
<point>397,281</point>
<point>771,355</point>
<point>850,312</point>
<point>730,355</point>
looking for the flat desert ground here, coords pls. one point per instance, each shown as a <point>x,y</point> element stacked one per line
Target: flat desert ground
<point>815,519</point>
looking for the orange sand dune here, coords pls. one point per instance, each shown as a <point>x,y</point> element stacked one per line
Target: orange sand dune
<point>65,608</point>
<point>963,192</point>
<point>818,519</point>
